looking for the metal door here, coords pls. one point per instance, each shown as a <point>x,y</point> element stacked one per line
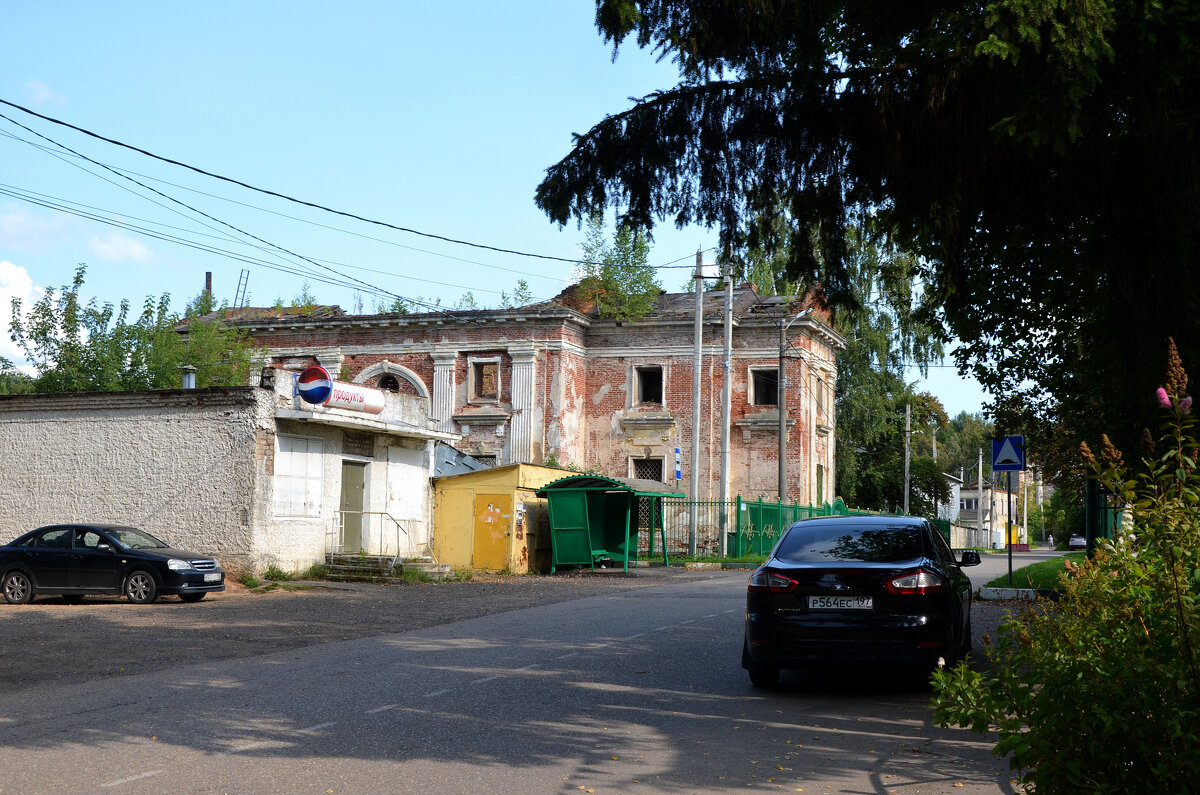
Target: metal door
<point>354,479</point>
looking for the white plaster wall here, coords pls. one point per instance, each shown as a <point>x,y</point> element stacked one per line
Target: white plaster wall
<point>179,463</point>
<point>294,544</point>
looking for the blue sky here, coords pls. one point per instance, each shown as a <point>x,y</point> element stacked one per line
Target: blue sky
<point>439,118</point>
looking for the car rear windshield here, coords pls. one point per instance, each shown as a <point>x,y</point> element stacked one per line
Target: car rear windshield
<point>829,542</point>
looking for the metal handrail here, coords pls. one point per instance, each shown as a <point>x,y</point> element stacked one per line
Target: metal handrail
<point>340,525</point>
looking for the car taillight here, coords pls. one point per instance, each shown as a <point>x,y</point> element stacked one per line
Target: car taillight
<point>770,582</point>
<point>917,582</point>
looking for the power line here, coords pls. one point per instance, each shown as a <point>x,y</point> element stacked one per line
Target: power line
<point>278,195</point>
<point>373,288</point>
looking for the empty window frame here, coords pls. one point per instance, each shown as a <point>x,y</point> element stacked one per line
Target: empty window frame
<point>389,383</point>
<point>483,377</point>
<point>649,384</point>
<point>820,390</point>
<point>764,386</point>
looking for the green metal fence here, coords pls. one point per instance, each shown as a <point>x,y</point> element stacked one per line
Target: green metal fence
<point>749,527</point>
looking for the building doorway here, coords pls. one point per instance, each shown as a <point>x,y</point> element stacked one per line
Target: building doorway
<point>354,480</point>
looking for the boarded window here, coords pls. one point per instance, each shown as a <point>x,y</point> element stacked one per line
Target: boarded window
<point>298,464</point>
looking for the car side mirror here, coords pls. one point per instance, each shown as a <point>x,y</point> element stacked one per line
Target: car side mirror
<point>104,547</point>
<point>970,558</point>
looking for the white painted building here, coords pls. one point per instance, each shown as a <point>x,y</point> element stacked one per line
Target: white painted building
<point>251,475</point>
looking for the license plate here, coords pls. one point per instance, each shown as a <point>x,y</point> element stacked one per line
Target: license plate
<point>840,603</point>
<point>212,576</point>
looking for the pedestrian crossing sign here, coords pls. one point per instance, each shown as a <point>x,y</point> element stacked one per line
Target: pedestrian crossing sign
<point>1008,454</point>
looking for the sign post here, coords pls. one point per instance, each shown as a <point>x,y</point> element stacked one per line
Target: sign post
<point>1008,456</point>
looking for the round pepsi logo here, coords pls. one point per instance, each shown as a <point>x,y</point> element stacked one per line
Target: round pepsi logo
<point>314,385</point>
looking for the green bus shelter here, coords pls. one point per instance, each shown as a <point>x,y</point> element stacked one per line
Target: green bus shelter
<point>591,517</point>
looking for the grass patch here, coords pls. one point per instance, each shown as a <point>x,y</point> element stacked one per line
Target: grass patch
<point>1040,575</point>
<point>276,574</point>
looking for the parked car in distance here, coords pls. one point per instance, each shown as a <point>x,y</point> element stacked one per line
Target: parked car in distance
<point>1076,542</point>
<point>75,560</point>
<point>857,589</point>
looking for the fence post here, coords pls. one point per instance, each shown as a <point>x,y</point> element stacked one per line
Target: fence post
<point>737,526</point>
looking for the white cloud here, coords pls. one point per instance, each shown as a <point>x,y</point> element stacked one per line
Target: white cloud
<point>41,94</point>
<point>14,283</point>
<point>116,247</point>
<point>22,229</point>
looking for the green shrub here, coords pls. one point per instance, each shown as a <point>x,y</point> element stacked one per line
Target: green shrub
<point>1101,691</point>
<point>276,574</point>
<point>250,581</point>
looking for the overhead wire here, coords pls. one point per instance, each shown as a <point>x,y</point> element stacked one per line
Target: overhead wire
<point>286,197</point>
<point>64,205</point>
<point>432,307</point>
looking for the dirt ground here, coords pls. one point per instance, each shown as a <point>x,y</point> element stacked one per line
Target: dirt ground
<point>50,641</point>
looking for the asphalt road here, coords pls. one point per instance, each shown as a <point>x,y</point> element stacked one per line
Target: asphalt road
<point>634,691</point>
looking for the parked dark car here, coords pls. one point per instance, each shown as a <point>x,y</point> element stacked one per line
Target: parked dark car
<point>857,589</point>
<point>75,560</point>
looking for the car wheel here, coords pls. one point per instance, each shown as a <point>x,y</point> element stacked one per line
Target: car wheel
<point>18,588</point>
<point>140,588</point>
<point>763,676</point>
<point>191,597</point>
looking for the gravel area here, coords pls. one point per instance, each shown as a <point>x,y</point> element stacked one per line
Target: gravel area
<point>50,641</point>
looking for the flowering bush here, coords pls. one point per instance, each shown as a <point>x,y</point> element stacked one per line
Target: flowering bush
<point>1100,692</point>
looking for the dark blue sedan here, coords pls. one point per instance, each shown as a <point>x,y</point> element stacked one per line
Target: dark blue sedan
<point>74,560</point>
<point>857,589</point>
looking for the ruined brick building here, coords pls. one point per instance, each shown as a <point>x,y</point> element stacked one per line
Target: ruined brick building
<point>552,383</point>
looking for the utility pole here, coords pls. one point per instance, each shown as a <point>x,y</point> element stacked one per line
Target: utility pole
<point>781,378</point>
<point>979,502</point>
<point>726,399</point>
<point>694,475</point>
<point>907,438</point>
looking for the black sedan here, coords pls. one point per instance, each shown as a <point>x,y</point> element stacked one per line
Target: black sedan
<point>75,560</point>
<point>857,589</point>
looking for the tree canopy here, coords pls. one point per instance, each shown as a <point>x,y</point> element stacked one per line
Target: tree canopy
<point>1036,155</point>
<point>75,346</point>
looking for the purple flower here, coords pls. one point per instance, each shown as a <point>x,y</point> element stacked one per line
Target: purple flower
<point>1185,405</point>
<point>1164,399</point>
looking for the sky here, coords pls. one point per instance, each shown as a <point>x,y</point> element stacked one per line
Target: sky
<point>437,118</point>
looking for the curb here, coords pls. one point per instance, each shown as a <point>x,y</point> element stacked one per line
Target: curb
<point>1022,594</point>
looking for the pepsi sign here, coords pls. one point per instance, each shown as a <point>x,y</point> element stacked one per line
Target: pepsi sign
<point>314,385</point>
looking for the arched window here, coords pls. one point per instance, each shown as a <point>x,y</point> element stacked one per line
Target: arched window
<point>389,383</point>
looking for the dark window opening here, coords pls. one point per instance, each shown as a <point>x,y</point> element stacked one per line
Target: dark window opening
<point>649,385</point>
<point>766,387</point>
<point>389,383</point>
